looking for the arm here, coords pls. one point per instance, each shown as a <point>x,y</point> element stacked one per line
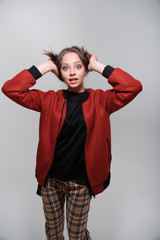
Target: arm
<point>47,67</point>
<point>17,89</point>
<point>125,87</point>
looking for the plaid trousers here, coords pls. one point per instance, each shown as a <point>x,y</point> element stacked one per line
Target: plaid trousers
<point>77,197</point>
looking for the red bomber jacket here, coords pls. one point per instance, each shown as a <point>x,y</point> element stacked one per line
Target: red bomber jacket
<point>96,110</point>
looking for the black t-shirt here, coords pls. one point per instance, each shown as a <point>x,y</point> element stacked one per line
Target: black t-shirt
<point>69,157</point>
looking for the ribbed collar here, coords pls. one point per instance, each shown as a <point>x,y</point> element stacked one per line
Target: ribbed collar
<point>76,97</point>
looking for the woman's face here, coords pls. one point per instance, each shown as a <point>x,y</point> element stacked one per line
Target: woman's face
<point>73,72</point>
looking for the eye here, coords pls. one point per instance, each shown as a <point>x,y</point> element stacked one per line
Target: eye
<point>78,66</point>
<point>65,68</point>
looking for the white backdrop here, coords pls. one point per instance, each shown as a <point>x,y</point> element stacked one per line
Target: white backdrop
<point>122,34</point>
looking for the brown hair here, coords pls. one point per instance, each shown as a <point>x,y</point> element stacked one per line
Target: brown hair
<point>57,58</point>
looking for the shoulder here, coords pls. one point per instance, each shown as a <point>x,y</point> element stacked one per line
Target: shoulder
<point>97,92</point>
<point>50,94</point>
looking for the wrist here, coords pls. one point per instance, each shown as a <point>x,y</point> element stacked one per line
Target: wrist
<point>45,67</point>
<point>98,67</point>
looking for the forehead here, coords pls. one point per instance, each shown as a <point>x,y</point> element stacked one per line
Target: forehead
<point>70,57</point>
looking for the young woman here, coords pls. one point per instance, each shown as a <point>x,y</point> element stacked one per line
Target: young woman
<point>74,149</point>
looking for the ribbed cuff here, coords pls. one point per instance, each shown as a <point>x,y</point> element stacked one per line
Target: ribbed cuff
<point>107,71</point>
<point>35,72</point>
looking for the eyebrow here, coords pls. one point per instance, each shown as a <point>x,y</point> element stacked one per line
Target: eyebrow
<point>68,64</point>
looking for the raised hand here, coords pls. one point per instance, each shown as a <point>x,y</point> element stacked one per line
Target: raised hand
<point>95,65</point>
<point>92,62</point>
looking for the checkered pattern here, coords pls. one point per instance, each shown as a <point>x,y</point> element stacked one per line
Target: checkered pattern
<point>77,198</point>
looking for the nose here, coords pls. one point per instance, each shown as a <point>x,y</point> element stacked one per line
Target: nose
<point>72,71</point>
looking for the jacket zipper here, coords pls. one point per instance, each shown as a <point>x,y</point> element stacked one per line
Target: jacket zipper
<point>56,142</point>
<point>86,168</point>
<point>89,181</point>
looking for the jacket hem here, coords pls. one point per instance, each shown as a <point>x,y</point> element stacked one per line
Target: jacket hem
<point>100,188</point>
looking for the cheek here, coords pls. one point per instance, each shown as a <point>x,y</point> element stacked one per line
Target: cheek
<point>64,75</point>
<point>82,74</point>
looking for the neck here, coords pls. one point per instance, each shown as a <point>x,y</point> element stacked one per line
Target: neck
<point>76,90</point>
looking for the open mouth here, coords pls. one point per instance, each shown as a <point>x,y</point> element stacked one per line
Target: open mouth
<point>73,80</point>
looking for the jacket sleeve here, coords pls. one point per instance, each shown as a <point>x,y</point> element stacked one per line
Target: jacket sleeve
<point>17,89</point>
<point>125,89</point>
